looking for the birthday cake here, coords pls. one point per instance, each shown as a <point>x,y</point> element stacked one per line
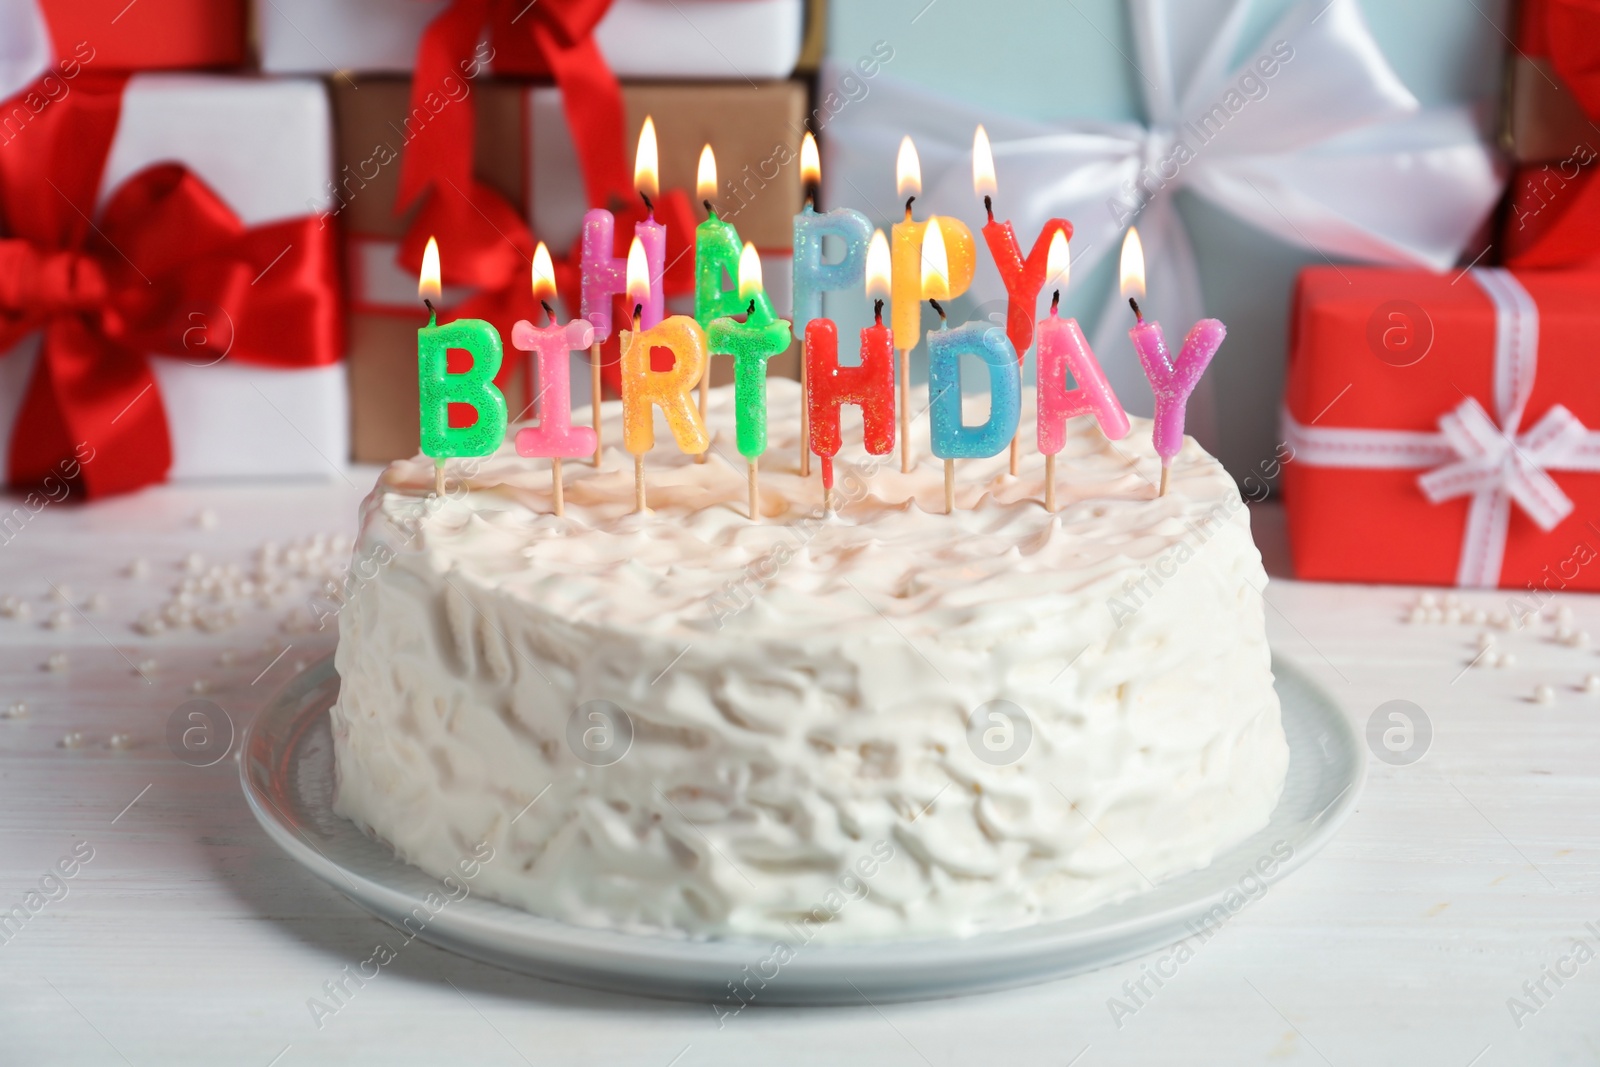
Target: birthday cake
<point>879,721</point>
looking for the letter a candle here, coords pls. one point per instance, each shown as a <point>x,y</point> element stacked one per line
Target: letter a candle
<point>1023,278</point>
<point>644,389</point>
<point>1064,353</point>
<point>813,275</point>
<point>555,437</point>
<point>604,275</point>
<point>751,343</point>
<point>907,293</point>
<point>870,385</point>
<point>438,388</point>
<point>950,439</point>
<point>1171,382</point>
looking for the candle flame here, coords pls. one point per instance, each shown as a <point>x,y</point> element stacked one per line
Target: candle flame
<point>544,274</point>
<point>983,182</point>
<point>935,264</point>
<point>646,162</point>
<point>749,272</point>
<point>428,280</point>
<point>705,180</point>
<point>878,266</point>
<point>810,162</point>
<point>1132,264</point>
<point>1058,263</point>
<point>638,275</point>
<point>908,170</point>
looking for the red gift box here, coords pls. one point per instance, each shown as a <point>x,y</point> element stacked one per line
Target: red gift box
<point>1398,469</point>
<point>1554,218</point>
<point>149,34</point>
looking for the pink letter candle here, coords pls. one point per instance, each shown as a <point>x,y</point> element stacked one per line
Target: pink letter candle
<point>554,438</point>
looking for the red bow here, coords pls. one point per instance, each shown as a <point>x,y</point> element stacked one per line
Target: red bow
<point>167,268</point>
<point>483,240</point>
<point>1569,31</point>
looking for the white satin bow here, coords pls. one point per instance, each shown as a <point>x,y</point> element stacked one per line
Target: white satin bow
<point>1491,460</point>
<point>25,50</point>
<point>1335,155</point>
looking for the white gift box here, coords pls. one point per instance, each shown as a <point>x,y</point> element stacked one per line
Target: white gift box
<point>704,39</point>
<point>265,147</point>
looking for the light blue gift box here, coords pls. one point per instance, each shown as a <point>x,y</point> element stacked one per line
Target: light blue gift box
<point>1070,59</point>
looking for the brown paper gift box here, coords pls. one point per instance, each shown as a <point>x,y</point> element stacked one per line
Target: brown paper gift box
<point>523,152</point>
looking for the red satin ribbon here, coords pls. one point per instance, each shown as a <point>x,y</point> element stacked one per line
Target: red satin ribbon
<point>483,241</point>
<point>1569,32</point>
<point>167,268</point>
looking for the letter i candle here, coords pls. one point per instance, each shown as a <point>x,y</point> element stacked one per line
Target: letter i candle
<point>949,437</point>
<point>870,385</point>
<point>907,293</point>
<point>438,388</point>
<point>555,438</point>
<point>813,275</point>
<point>644,389</point>
<point>1171,381</point>
<point>604,275</point>
<point>751,343</point>
<point>1064,352</point>
<point>1023,278</point>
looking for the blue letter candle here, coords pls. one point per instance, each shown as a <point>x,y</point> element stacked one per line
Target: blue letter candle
<point>951,439</point>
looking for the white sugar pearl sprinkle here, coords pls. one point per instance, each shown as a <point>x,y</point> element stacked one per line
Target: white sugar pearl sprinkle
<point>1591,684</point>
<point>121,741</point>
<point>1509,659</point>
<point>72,739</point>
<point>17,709</point>
<point>57,663</point>
<point>1543,694</point>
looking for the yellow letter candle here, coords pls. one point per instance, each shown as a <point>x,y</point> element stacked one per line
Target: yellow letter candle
<point>906,293</point>
<point>644,389</point>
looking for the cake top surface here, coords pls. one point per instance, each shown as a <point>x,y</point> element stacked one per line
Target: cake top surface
<point>886,552</point>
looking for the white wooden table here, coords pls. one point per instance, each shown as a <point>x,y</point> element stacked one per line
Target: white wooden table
<point>188,938</point>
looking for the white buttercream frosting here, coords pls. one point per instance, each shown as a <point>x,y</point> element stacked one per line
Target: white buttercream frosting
<point>799,690</point>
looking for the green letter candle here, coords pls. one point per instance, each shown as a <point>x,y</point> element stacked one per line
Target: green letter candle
<point>437,388</point>
<point>751,343</point>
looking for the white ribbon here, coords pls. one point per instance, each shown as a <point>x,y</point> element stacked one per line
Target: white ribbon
<point>1472,454</point>
<point>1336,155</point>
<point>25,50</point>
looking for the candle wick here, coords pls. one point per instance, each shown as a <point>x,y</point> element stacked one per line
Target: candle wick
<point>937,308</point>
<point>548,310</point>
<point>638,316</point>
<point>988,206</point>
<point>1136,312</point>
<point>711,212</point>
<point>909,201</point>
<point>648,206</point>
<point>877,311</point>
<point>751,310</point>
<point>429,305</point>
<point>1055,301</point>
<point>811,195</point>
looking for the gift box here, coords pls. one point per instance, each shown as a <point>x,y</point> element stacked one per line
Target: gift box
<point>700,39</point>
<point>1342,137</point>
<point>1553,218</point>
<point>524,153</point>
<point>1553,81</point>
<point>114,35</point>
<point>168,294</point>
<point>1437,428</point>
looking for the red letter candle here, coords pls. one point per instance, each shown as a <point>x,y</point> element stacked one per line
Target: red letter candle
<point>1023,278</point>
<point>871,385</point>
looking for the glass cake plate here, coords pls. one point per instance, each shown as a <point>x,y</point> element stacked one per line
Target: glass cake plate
<point>287,773</point>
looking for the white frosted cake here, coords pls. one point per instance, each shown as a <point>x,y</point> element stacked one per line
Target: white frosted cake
<point>886,722</point>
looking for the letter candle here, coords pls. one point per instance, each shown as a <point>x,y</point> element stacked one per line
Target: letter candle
<point>813,275</point>
<point>1170,381</point>
<point>437,388</point>
<point>644,389</point>
<point>751,343</point>
<point>907,293</point>
<point>555,437</point>
<point>870,385</point>
<point>604,275</point>
<point>717,265</point>
<point>1063,351</point>
<point>949,438</point>
<point>1023,278</point>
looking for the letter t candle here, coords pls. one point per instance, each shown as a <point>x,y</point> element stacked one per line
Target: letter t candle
<point>1171,382</point>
